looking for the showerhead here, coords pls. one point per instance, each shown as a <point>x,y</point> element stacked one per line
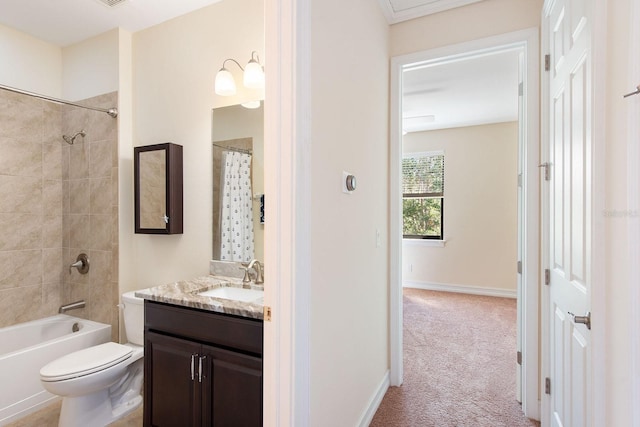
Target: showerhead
<point>71,139</point>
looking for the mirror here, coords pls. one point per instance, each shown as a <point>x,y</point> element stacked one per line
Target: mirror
<point>158,189</point>
<point>238,165</point>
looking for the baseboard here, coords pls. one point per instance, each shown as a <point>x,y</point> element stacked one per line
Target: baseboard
<point>374,402</point>
<point>461,289</point>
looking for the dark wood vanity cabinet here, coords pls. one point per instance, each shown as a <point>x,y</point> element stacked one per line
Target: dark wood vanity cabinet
<point>201,368</point>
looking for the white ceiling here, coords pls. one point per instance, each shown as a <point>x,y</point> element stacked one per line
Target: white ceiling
<point>65,22</point>
<point>466,92</point>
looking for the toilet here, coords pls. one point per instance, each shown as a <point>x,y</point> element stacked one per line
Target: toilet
<point>101,384</point>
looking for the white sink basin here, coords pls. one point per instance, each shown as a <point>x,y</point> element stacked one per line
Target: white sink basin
<point>237,294</point>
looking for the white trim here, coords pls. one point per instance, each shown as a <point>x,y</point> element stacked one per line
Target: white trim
<point>287,134</point>
<point>633,181</point>
<point>374,402</point>
<point>528,41</point>
<point>394,17</point>
<point>460,289</point>
<point>599,330</point>
<point>425,243</point>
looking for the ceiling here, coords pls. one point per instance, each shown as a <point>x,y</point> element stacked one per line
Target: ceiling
<point>77,20</point>
<point>466,92</point>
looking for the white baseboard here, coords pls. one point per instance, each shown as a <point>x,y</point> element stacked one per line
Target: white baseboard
<point>375,401</point>
<point>461,289</point>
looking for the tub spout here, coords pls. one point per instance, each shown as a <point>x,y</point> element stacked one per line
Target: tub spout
<point>71,306</point>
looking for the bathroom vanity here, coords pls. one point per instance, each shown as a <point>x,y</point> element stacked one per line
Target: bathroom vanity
<point>203,354</point>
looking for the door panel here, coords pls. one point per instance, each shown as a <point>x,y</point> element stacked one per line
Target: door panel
<point>570,146</point>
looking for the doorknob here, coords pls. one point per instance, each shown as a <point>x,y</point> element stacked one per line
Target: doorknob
<point>585,320</point>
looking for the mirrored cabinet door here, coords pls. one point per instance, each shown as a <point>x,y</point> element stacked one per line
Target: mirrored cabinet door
<point>158,189</point>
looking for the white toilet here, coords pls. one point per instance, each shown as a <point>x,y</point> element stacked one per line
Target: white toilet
<point>102,383</point>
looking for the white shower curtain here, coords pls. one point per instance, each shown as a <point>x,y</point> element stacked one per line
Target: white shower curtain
<point>236,216</point>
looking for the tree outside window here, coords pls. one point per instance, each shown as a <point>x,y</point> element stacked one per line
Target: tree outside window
<point>423,196</point>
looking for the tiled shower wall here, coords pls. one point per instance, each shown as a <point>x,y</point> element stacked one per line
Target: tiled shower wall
<point>56,201</point>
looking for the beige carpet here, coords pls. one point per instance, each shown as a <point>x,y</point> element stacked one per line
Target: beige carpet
<point>459,363</point>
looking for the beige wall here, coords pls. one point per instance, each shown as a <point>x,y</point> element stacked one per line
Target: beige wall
<point>29,63</point>
<point>349,274</point>
<point>174,66</point>
<point>480,210</point>
<point>475,21</point>
<point>91,67</point>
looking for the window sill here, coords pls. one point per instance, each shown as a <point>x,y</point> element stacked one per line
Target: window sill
<point>426,243</point>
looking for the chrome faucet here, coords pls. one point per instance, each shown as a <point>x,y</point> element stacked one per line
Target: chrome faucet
<point>255,264</point>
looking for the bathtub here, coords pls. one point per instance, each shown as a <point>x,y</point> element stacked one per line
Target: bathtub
<point>27,347</point>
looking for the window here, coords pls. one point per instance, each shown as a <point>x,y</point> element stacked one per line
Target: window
<point>423,196</point>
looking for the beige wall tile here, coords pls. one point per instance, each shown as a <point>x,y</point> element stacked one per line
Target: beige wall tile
<point>101,229</point>
<point>52,161</point>
<point>79,231</point>
<point>101,162</point>
<point>79,196</point>
<point>20,194</point>
<point>26,231</point>
<point>20,268</point>
<point>101,196</point>
<point>52,231</point>
<point>19,305</point>
<point>52,197</point>
<point>20,157</point>
<point>21,119</point>
<point>79,161</point>
<point>52,265</point>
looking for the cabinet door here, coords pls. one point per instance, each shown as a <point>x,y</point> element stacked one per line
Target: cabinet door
<point>233,392</point>
<point>171,397</point>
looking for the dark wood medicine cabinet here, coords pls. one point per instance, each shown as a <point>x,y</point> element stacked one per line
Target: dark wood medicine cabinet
<point>158,188</point>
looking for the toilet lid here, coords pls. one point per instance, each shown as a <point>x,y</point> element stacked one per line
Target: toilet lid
<point>85,362</point>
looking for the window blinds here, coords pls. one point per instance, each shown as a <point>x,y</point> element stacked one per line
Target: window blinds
<point>423,175</point>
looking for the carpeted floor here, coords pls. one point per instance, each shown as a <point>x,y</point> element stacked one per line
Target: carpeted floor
<point>459,364</point>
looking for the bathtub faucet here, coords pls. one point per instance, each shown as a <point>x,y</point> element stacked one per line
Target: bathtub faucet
<point>71,306</point>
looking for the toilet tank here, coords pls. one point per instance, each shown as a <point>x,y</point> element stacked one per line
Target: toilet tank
<point>133,313</point>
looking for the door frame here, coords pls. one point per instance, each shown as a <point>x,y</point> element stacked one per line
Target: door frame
<point>528,40</point>
<point>598,273</point>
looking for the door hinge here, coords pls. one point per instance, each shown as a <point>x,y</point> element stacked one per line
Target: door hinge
<point>547,385</point>
<point>519,180</point>
<point>547,62</point>
<point>519,358</point>
<point>547,276</point>
<point>519,267</point>
<point>547,168</point>
<point>266,311</point>
<point>520,89</point>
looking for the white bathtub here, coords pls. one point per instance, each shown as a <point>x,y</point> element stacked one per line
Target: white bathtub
<point>27,347</point>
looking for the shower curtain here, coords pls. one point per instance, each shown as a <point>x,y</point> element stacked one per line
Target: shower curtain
<point>236,216</point>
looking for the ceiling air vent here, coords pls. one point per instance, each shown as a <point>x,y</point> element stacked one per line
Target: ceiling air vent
<point>111,3</point>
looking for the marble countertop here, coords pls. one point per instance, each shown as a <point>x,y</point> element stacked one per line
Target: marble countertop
<point>185,293</point>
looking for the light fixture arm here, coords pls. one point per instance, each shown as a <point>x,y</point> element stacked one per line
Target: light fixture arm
<point>231,59</point>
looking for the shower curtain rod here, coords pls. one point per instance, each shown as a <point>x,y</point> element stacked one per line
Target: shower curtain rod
<point>239,150</point>
<point>113,112</point>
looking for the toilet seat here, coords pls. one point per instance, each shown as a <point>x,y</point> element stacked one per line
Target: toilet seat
<point>85,362</point>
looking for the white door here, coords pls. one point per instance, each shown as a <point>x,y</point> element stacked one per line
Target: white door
<point>570,186</point>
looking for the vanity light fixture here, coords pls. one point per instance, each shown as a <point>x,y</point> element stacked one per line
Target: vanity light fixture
<point>253,76</point>
<point>251,104</point>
